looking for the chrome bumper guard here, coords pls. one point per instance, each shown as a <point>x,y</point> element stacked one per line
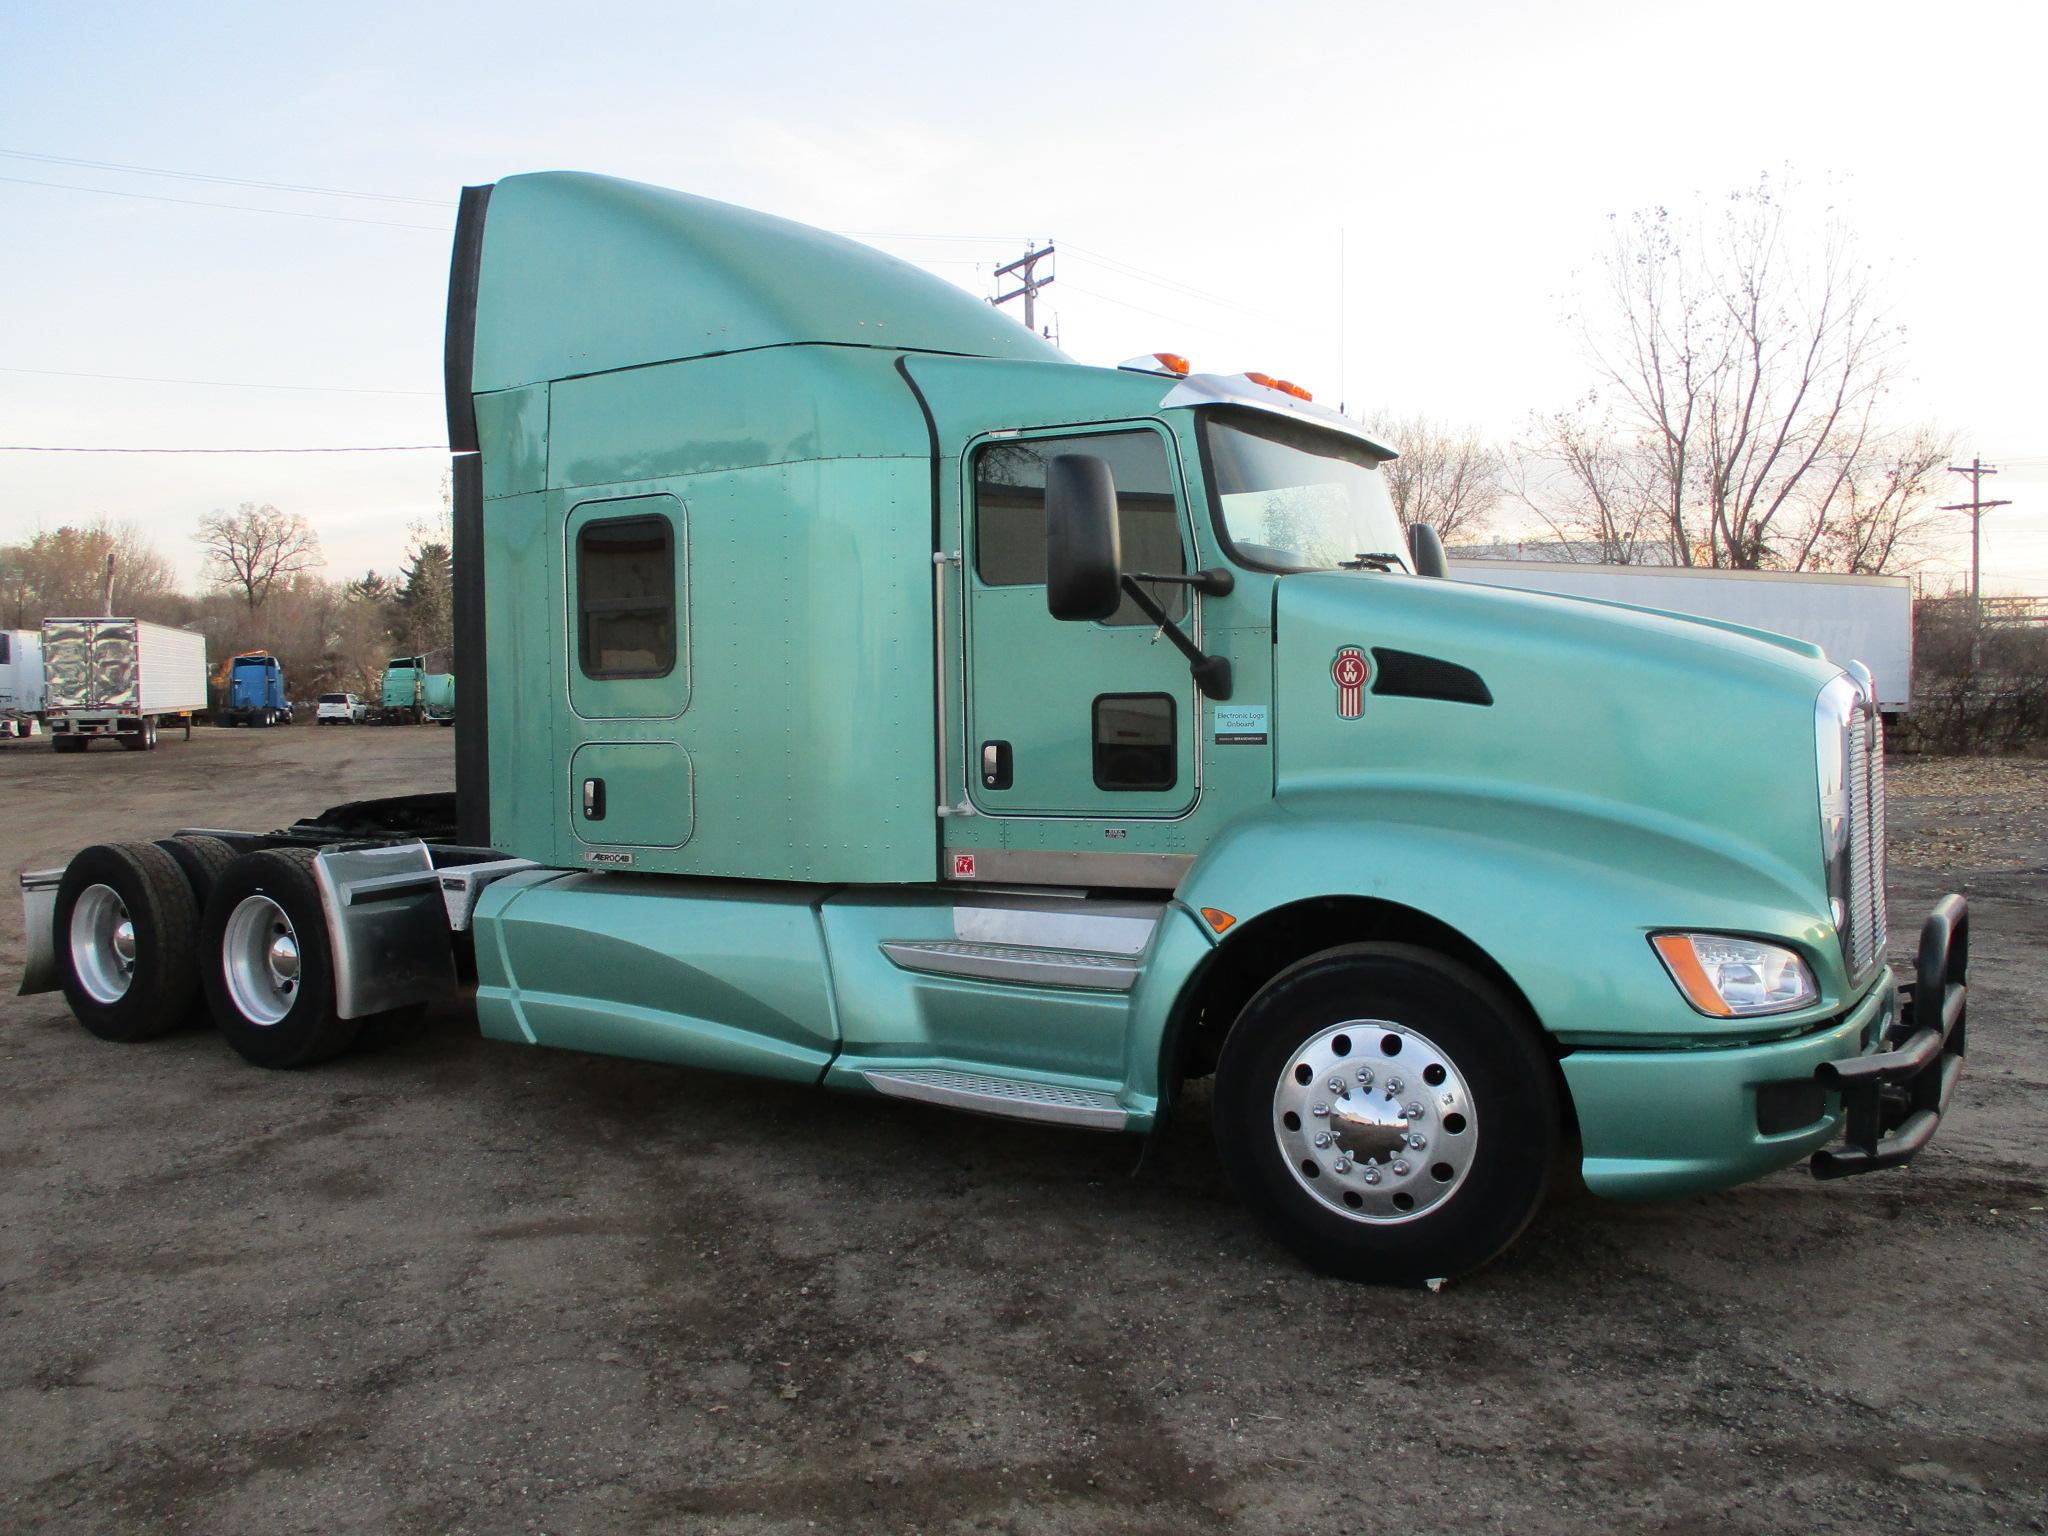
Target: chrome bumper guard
<point>1894,1100</point>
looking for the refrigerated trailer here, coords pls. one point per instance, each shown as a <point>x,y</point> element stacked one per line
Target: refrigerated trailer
<point>1862,618</point>
<point>860,692</point>
<point>21,681</point>
<point>119,678</point>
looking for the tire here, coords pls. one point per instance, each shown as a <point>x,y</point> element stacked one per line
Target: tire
<point>275,1008</point>
<point>68,743</point>
<point>132,985</point>
<point>200,860</point>
<point>143,740</point>
<point>1399,1029</point>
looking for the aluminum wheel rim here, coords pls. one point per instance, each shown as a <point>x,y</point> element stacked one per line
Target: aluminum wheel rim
<point>102,944</point>
<point>260,960</point>
<point>1375,1121</point>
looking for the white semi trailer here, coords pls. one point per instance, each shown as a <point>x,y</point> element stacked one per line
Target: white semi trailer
<point>121,678</point>
<point>21,681</point>
<point>1850,617</point>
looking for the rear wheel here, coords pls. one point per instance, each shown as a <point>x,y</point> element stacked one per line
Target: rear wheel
<point>268,970</point>
<point>1386,1114</point>
<point>126,926</point>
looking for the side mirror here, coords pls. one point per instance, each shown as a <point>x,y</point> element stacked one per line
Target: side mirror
<point>1427,551</point>
<point>1083,556</point>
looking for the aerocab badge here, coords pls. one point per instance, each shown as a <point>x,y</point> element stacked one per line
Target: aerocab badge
<point>1349,672</point>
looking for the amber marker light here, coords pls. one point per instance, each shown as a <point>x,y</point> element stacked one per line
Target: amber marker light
<point>1217,918</point>
<point>1676,951</point>
<point>1287,388</point>
<point>1173,362</point>
<point>1265,379</point>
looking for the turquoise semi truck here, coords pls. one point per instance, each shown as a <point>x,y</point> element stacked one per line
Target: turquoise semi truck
<point>862,693</point>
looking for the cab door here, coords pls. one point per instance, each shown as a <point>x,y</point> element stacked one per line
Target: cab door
<point>1085,721</point>
<point>625,777</point>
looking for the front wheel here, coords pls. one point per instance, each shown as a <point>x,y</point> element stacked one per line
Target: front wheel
<point>1386,1114</point>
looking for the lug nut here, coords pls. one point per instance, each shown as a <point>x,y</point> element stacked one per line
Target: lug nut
<point>1320,1109</point>
<point>1401,1167</point>
<point>1342,1165</point>
<point>1365,1077</point>
<point>1395,1086</point>
<point>1337,1086</point>
<point>1416,1142</point>
<point>1322,1138</point>
<point>1415,1109</point>
<point>1372,1175</point>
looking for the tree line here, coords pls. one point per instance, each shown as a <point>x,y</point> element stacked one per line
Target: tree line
<point>263,589</point>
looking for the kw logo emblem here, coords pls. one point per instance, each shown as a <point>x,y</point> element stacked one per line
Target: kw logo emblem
<point>1349,671</point>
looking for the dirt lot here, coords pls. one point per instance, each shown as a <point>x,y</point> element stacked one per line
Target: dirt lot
<point>446,1285</point>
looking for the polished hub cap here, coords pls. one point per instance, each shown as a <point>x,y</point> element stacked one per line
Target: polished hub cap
<point>1375,1121</point>
<point>102,944</point>
<point>260,960</point>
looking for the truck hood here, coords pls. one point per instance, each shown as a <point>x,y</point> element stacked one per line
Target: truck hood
<point>1540,709</point>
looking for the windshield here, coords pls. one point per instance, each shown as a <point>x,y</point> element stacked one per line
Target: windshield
<point>333,698</point>
<point>1296,498</point>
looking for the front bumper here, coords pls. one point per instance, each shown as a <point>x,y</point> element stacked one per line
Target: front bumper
<point>1893,1101</point>
<point>1659,1123</point>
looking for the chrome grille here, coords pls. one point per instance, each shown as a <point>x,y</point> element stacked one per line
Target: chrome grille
<point>1866,841</point>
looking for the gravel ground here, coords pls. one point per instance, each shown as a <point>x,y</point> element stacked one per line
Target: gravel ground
<point>446,1285</point>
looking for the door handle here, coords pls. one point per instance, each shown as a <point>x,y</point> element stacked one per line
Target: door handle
<point>995,765</point>
<point>593,799</point>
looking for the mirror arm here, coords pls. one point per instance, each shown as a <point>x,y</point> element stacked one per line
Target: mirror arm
<point>1212,673</point>
<point>1216,581</point>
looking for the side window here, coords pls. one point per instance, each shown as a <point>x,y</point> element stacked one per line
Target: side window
<point>6,649</point>
<point>1134,741</point>
<point>1009,511</point>
<point>626,598</point>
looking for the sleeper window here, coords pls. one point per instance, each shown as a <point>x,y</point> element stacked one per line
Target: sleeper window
<point>626,598</point>
<point>1009,511</point>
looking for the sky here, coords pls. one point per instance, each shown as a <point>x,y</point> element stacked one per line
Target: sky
<point>1393,204</point>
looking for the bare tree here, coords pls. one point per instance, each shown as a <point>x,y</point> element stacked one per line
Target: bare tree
<point>252,549</point>
<point>1446,475</point>
<point>1741,385</point>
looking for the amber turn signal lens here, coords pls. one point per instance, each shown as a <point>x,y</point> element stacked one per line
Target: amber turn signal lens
<point>1217,918</point>
<point>1173,362</point>
<point>1684,964</point>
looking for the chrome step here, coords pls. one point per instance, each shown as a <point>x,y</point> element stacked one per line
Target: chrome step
<point>1010,1097</point>
<point>1021,964</point>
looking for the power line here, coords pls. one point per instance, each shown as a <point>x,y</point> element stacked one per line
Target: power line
<point>1157,314</point>
<point>141,378</point>
<point>193,202</point>
<point>378,448</point>
<point>1167,282</point>
<point>231,181</point>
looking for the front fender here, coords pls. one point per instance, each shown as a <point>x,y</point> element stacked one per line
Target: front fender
<point>1561,891</point>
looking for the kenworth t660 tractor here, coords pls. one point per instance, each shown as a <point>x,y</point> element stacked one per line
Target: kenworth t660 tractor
<point>860,692</point>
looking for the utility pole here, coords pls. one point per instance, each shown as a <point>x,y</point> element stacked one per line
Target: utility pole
<point>1976,506</point>
<point>1028,283</point>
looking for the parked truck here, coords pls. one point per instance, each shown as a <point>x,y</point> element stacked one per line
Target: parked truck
<point>21,682</point>
<point>255,693</point>
<point>437,697</point>
<point>862,693</point>
<point>1868,617</point>
<point>401,696</point>
<point>119,678</point>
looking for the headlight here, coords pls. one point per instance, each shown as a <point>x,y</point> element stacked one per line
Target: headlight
<point>1735,978</point>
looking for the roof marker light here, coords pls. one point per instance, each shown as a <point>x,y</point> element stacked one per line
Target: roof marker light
<point>1283,385</point>
<point>1158,362</point>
